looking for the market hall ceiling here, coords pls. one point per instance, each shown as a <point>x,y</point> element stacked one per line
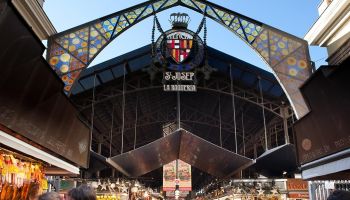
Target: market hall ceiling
<point>199,111</point>
<point>71,51</point>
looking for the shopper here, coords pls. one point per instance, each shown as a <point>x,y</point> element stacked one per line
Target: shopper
<point>83,192</point>
<point>50,196</point>
<point>33,191</point>
<point>339,195</point>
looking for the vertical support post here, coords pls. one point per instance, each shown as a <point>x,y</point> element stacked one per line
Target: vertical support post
<point>284,113</point>
<point>99,151</point>
<point>113,173</point>
<point>255,151</point>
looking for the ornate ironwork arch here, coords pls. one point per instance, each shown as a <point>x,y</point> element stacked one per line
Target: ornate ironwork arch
<point>71,51</point>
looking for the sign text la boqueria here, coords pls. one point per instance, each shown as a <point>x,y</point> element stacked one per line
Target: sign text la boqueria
<point>179,81</point>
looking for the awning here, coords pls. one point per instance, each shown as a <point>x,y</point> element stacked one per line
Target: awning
<point>30,150</point>
<point>274,162</point>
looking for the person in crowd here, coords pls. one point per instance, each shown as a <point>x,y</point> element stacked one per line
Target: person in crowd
<point>50,196</point>
<point>83,192</point>
<point>33,192</point>
<point>339,195</point>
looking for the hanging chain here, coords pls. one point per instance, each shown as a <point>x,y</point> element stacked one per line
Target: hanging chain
<point>159,27</point>
<point>205,33</point>
<point>153,32</point>
<point>201,25</point>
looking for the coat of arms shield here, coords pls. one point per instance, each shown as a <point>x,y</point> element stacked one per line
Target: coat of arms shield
<point>179,45</point>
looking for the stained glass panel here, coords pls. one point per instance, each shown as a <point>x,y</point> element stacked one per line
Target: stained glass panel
<point>200,5</point>
<point>169,3</point>
<point>280,47</point>
<point>211,13</point>
<point>261,45</point>
<point>97,41</point>
<point>158,4</point>
<point>146,12</point>
<point>236,27</point>
<point>251,30</point>
<point>295,65</point>
<point>106,27</point>
<point>122,24</point>
<point>189,3</point>
<point>225,17</point>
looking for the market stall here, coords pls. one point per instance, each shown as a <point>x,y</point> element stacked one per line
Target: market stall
<point>245,189</point>
<point>20,176</point>
<point>121,189</point>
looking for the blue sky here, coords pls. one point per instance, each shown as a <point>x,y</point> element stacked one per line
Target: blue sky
<point>293,16</point>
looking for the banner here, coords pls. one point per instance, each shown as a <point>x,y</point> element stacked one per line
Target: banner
<point>185,181</point>
<point>169,176</point>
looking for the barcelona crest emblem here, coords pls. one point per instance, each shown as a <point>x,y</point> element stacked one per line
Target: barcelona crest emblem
<point>179,45</point>
<point>179,49</point>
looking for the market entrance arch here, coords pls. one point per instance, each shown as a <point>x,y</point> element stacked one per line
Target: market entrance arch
<point>71,51</point>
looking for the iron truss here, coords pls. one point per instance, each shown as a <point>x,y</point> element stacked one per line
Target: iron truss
<point>71,51</point>
<point>139,85</point>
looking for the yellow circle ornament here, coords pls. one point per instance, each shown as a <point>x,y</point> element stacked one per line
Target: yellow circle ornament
<point>76,41</point>
<point>64,68</point>
<point>281,45</point>
<point>263,36</point>
<point>273,48</point>
<point>302,64</point>
<point>293,72</point>
<point>84,44</point>
<point>65,57</point>
<point>108,35</point>
<point>54,60</point>
<point>291,61</point>
<point>94,33</point>
<point>93,50</point>
<point>114,20</point>
<point>285,52</point>
<point>250,37</point>
<point>72,35</point>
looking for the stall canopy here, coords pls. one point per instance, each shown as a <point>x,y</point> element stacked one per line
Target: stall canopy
<point>181,145</point>
<point>277,162</point>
